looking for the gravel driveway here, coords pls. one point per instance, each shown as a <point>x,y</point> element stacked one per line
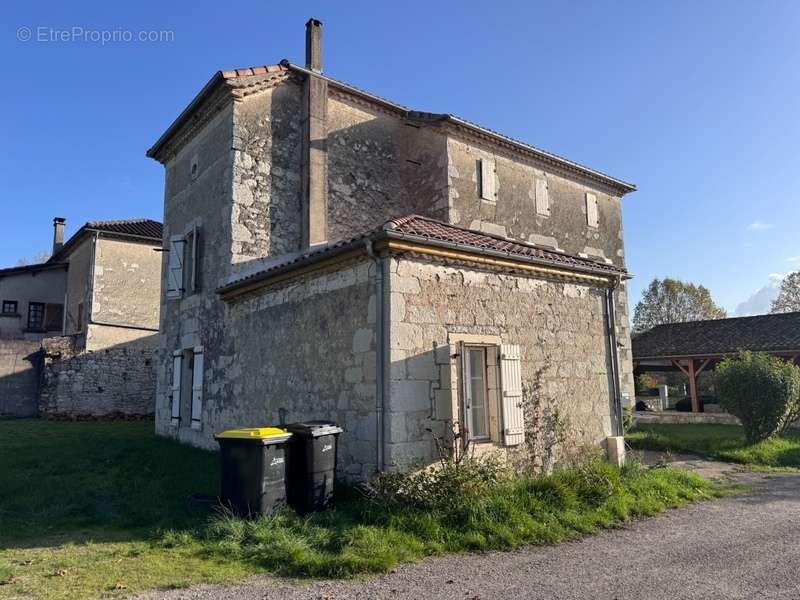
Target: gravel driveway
<point>746,546</point>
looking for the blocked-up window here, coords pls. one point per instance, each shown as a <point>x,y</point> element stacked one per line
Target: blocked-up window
<point>487,184</point>
<point>592,216</point>
<point>542,198</point>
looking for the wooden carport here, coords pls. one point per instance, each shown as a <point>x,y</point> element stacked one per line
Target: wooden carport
<point>694,347</point>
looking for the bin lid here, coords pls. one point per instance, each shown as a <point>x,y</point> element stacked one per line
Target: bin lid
<point>265,434</point>
<point>315,428</point>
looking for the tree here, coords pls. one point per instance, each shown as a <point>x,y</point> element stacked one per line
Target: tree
<point>674,301</point>
<point>788,299</point>
<point>38,258</point>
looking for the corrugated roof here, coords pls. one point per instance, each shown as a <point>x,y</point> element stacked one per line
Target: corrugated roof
<point>768,333</point>
<point>423,229</point>
<point>138,227</point>
<point>45,266</point>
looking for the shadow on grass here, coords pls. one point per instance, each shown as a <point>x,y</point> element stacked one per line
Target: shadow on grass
<point>95,481</point>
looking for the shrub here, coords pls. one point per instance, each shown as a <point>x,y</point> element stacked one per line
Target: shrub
<point>453,481</point>
<point>762,390</point>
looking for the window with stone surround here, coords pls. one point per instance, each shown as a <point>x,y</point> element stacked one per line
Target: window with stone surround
<point>10,307</point>
<point>488,402</point>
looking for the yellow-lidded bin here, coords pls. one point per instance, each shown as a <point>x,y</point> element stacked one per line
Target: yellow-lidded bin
<point>253,475</point>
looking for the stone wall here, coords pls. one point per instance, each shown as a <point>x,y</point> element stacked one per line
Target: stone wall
<point>116,381</point>
<point>514,212</point>
<point>380,166</point>
<point>79,286</point>
<point>559,326</point>
<point>20,363</point>
<point>301,350</point>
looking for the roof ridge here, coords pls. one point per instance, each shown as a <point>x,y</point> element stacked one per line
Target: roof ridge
<point>736,318</point>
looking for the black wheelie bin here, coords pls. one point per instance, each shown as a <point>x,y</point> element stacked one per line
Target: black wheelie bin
<point>253,478</point>
<point>312,465</point>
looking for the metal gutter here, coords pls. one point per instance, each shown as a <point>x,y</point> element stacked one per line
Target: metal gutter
<point>616,400</point>
<point>382,343</point>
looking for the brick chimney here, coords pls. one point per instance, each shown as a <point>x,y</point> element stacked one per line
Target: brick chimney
<point>58,233</point>
<point>314,45</point>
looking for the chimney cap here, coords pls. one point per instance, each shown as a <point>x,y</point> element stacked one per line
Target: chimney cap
<point>314,22</point>
<point>59,220</point>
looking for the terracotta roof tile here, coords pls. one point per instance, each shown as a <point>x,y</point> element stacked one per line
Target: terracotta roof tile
<point>436,230</point>
<point>415,226</point>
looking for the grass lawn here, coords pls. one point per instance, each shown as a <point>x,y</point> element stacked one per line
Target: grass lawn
<point>720,442</point>
<point>92,510</point>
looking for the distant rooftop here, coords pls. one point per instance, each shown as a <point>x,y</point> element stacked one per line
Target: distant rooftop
<point>777,333</point>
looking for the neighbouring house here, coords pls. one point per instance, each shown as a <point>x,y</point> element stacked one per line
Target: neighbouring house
<point>695,347</point>
<point>93,311</point>
<point>334,255</point>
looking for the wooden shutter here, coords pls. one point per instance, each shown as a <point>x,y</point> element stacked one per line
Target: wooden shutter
<point>175,267</point>
<point>488,187</point>
<point>542,197</point>
<point>177,371</point>
<point>592,218</point>
<point>195,262</point>
<point>511,402</point>
<point>197,388</point>
<point>54,317</point>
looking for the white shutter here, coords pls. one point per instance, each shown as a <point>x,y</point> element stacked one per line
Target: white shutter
<point>542,197</point>
<point>592,218</point>
<point>487,179</point>
<point>175,267</point>
<point>177,368</point>
<point>197,388</point>
<point>511,388</point>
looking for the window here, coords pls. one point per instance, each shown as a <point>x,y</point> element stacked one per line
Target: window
<point>476,409</point>
<point>36,316</point>
<point>487,188</point>
<point>9,307</point>
<point>187,387</point>
<point>592,217</point>
<point>490,391</point>
<point>542,198</point>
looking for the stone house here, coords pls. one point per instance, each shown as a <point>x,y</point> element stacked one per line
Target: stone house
<point>332,254</point>
<point>93,308</point>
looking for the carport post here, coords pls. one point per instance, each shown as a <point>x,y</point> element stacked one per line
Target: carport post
<point>693,387</point>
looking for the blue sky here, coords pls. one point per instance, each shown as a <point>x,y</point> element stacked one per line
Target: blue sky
<point>695,102</point>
